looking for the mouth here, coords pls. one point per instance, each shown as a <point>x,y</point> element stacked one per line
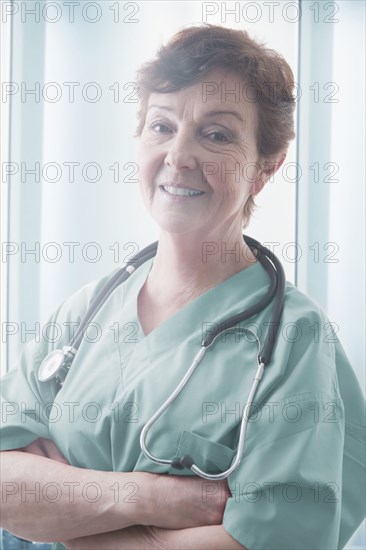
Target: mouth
<point>180,191</point>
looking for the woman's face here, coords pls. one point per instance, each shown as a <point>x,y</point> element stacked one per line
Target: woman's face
<point>197,156</point>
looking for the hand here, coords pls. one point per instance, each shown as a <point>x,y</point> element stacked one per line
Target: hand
<point>186,501</point>
<point>46,448</point>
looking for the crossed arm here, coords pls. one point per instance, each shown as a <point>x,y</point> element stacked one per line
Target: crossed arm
<point>169,512</point>
<point>213,537</point>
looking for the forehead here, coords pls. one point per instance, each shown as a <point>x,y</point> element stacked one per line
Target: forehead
<point>220,90</point>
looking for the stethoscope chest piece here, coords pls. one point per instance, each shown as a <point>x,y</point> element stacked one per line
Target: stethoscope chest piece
<point>54,363</point>
<point>57,363</point>
<point>51,365</point>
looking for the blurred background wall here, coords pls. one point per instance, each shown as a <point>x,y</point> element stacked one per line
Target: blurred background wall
<point>71,209</point>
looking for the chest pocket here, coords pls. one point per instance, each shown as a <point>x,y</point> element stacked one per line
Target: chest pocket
<point>209,456</point>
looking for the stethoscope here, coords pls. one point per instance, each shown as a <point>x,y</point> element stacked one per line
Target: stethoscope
<point>57,363</point>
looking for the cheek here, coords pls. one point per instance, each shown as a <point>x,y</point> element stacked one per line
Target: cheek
<point>150,149</point>
<point>147,164</point>
<point>229,194</point>
<point>230,183</point>
<point>231,190</point>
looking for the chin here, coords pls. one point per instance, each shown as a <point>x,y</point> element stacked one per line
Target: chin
<point>171,224</point>
<point>176,228</point>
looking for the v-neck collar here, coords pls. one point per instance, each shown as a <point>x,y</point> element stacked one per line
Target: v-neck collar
<point>230,297</point>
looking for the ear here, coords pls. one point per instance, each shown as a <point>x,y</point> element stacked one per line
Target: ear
<point>268,168</point>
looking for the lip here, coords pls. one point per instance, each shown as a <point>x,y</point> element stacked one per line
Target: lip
<point>179,186</point>
<point>171,197</point>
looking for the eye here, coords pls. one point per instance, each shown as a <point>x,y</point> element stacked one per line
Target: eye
<point>221,137</point>
<point>156,125</point>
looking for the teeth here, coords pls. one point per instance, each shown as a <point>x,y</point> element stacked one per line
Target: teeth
<point>181,191</point>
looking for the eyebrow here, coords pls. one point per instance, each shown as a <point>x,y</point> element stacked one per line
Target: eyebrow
<point>208,114</point>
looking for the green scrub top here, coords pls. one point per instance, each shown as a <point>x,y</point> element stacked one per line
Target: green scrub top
<point>300,484</point>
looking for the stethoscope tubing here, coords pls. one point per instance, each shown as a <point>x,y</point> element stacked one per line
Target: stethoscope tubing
<point>187,461</point>
<point>275,292</point>
<point>118,278</point>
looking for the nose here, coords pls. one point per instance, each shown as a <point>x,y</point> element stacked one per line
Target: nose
<point>181,152</point>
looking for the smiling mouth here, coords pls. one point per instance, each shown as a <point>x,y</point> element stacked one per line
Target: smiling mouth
<point>180,191</point>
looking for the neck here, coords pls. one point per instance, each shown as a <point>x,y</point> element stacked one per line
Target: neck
<point>186,267</point>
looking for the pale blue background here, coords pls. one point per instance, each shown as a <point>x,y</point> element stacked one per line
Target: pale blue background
<point>303,211</point>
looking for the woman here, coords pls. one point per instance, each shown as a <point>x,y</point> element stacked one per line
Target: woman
<point>215,122</point>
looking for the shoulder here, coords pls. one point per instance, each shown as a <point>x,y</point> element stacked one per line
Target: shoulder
<point>304,322</point>
<point>77,303</point>
<point>60,326</point>
<point>300,305</point>
<point>313,357</point>
<point>304,358</point>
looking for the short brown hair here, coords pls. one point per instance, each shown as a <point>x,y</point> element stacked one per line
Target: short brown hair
<point>194,51</point>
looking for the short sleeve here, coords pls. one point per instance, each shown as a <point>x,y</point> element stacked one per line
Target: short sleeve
<point>300,483</point>
<point>26,403</point>
<point>354,457</point>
